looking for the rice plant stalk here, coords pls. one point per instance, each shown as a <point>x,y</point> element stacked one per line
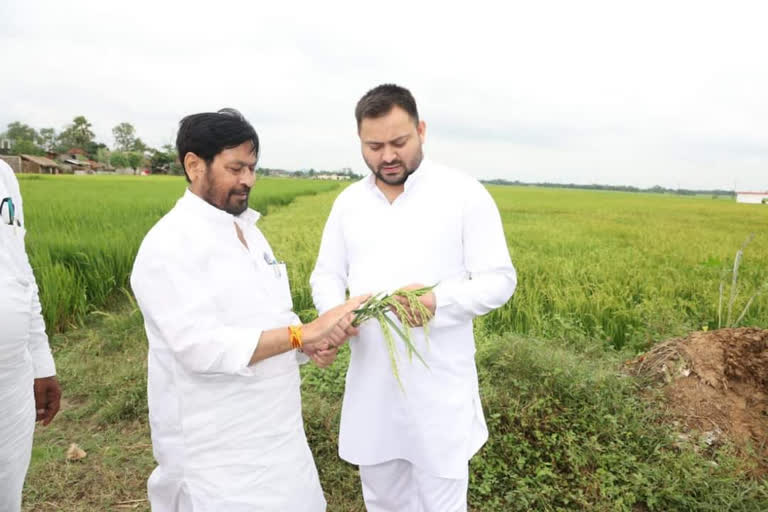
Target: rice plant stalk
<point>749,303</point>
<point>735,278</point>
<point>378,307</point>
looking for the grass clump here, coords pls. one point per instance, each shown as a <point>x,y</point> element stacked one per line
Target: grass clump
<point>569,432</point>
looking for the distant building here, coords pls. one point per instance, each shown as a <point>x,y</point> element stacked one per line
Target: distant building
<point>13,161</point>
<point>752,197</point>
<point>39,165</point>
<point>73,154</point>
<point>334,177</point>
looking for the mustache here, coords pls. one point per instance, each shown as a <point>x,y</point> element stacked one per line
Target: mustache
<point>390,164</point>
<point>242,190</point>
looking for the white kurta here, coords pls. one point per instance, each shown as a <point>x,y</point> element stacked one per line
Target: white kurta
<point>226,436</point>
<point>444,228</point>
<point>24,351</point>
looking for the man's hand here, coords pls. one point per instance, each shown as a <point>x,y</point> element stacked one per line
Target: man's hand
<point>47,398</point>
<point>332,328</point>
<point>323,358</point>
<point>413,318</point>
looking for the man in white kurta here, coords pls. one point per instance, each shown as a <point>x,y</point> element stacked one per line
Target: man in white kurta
<point>27,370</point>
<point>413,221</point>
<point>227,429</point>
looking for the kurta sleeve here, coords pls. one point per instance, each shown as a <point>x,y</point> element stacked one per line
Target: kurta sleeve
<point>176,305</point>
<point>491,279</point>
<point>329,278</point>
<point>39,349</point>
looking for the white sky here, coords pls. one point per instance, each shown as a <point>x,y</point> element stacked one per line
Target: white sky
<point>638,93</point>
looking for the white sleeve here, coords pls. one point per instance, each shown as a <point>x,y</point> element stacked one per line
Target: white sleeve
<point>39,349</point>
<point>38,346</point>
<point>491,278</point>
<point>329,278</point>
<point>177,307</point>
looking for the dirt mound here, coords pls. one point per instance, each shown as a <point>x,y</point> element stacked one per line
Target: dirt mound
<point>717,383</point>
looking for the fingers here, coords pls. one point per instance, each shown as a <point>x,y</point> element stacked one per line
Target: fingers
<point>338,336</point>
<point>355,302</point>
<point>53,408</point>
<point>47,399</point>
<point>40,402</point>
<point>323,358</point>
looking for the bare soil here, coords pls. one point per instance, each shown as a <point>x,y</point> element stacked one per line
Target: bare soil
<point>716,384</point>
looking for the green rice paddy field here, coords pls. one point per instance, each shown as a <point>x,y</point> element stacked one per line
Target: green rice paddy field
<point>602,276</point>
<point>625,268</point>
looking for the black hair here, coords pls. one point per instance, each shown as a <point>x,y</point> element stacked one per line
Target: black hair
<point>209,133</point>
<point>381,99</point>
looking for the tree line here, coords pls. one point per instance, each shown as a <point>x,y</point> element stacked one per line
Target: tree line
<point>128,149</point>
<point>618,188</point>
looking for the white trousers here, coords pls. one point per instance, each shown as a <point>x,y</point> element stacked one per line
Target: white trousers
<point>399,486</point>
<point>17,424</point>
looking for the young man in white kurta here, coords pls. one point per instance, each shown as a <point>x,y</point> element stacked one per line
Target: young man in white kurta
<point>438,225</point>
<point>25,357</point>
<point>227,429</point>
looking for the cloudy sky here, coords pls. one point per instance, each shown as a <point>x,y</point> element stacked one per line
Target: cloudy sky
<point>673,93</point>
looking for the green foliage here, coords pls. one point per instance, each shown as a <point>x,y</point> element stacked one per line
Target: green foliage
<point>103,155</point>
<point>84,232</point>
<point>118,160</point>
<point>26,147</point>
<point>125,136</point>
<point>139,146</point>
<point>48,139</point>
<point>162,161</point>
<point>134,159</point>
<point>18,131</point>
<point>77,135</point>
<point>567,430</point>
<point>570,433</point>
<point>92,149</point>
<point>628,269</point>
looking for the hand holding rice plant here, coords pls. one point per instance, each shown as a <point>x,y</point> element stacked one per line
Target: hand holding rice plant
<point>406,303</point>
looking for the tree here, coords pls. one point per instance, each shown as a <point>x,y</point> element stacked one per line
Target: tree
<point>48,139</point>
<point>92,148</point>
<point>125,137</point>
<point>102,155</point>
<point>76,135</point>
<point>26,147</point>
<point>118,160</point>
<point>19,131</point>
<point>161,161</point>
<point>139,146</point>
<point>134,159</point>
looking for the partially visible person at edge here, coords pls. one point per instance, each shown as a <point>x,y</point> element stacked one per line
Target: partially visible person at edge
<point>29,390</point>
<point>411,223</point>
<point>224,343</point>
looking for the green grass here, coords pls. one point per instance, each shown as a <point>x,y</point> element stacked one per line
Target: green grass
<point>601,275</point>
<point>568,432</point>
<point>627,269</point>
<point>84,232</point>
<point>630,269</point>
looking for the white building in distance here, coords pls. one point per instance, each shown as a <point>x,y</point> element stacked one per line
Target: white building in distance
<point>752,197</point>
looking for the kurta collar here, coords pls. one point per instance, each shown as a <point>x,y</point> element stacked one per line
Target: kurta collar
<point>199,206</point>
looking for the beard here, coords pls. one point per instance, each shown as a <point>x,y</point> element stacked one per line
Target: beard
<point>236,204</point>
<point>233,203</point>
<point>408,169</point>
